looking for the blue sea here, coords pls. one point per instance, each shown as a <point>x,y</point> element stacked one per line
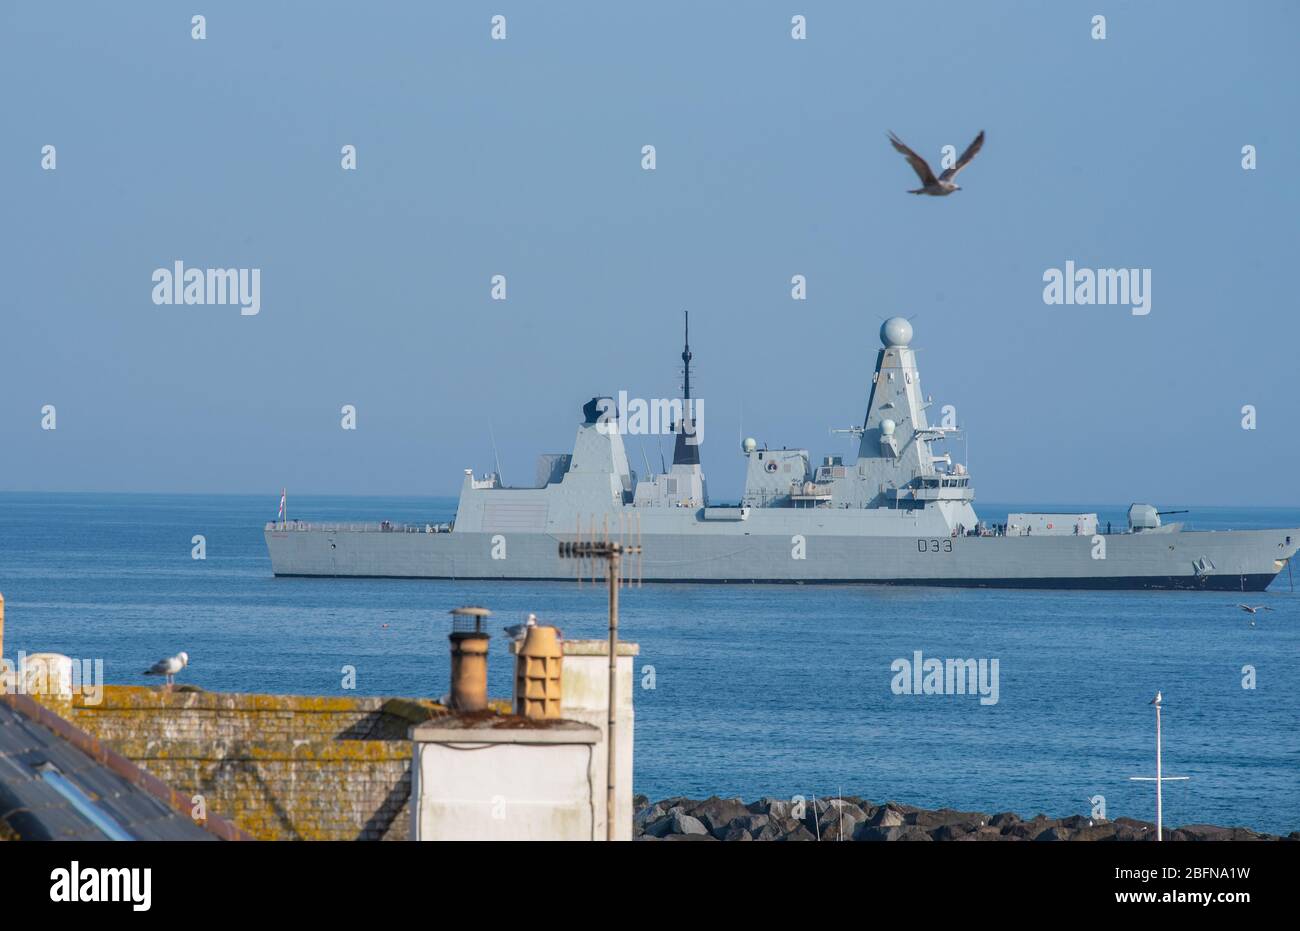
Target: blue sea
<point>757,690</point>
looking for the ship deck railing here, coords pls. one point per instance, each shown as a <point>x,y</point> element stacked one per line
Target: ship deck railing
<point>382,526</point>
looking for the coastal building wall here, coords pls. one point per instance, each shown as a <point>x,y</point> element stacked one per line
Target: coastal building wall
<point>281,767</point>
<point>507,777</point>
<point>586,699</point>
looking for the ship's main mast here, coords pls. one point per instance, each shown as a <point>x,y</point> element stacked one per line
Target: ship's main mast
<point>686,450</point>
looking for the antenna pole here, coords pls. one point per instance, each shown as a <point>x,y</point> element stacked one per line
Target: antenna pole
<point>686,361</point>
<point>496,458</point>
<point>612,553</point>
<point>1160,799</point>
<point>1160,778</point>
<point>612,569</point>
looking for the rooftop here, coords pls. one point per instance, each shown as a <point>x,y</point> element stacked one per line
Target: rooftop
<point>59,783</point>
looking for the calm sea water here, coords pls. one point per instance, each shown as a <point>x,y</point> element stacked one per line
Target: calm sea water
<point>758,689</point>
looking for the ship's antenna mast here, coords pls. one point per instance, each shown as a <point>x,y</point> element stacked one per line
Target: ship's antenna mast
<point>496,458</point>
<point>686,362</point>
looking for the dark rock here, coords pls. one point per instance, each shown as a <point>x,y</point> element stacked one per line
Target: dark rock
<point>958,830</point>
<point>687,824</point>
<point>1055,833</point>
<point>1101,830</point>
<point>848,807</point>
<point>913,833</point>
<point>798,833</point>
<point>872,833</point>
<point>933,819</point>
<point>659,827</point>
<point>639,801</point>
<point>840,819</point>
<point>1130,829</point>
<point>986,833</point>
<point>887,816</point>
<point>778,828</point>
<point>753,824</point>
<point>716,813</point>
<point>646,816</point>
<point>770,805</point>
<point>1027,830</point>
<point>1204,832</point>
<point>675,821</point>
<point>1004,819</point>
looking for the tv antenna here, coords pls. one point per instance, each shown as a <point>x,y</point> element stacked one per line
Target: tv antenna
<point>612,552</point>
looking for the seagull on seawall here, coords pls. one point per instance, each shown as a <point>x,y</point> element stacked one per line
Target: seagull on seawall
<point>169,667</point>
<point>943,185</point>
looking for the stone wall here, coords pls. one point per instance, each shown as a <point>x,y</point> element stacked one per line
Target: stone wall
<point>281,767</point>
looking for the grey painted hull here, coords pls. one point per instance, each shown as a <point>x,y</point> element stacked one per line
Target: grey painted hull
<point>891,516</point>
<point>1241,560</point>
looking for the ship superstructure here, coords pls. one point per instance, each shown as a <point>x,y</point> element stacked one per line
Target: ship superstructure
<point>901,512</point>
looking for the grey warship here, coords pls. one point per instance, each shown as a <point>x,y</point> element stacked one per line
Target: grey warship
<point>899,514</point>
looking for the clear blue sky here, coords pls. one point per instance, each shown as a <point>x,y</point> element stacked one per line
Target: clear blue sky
<point>522,158</point>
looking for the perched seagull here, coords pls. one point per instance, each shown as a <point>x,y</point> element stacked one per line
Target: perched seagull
<point>943,185</point>
<point>520,631</point>
<point>1156,700</point>
<point>169,667</point>
<point>1254,609</point>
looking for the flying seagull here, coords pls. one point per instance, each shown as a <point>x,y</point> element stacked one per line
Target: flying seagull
<point>943,185</point>
<point>1254,609</point>
<point>169,667</point>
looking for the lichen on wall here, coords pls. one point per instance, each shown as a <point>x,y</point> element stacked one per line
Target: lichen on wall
<point>281,767</point>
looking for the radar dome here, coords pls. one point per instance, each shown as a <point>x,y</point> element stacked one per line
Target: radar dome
<point>887,427</point>
<point>896,331</point>
<point>749,445</point>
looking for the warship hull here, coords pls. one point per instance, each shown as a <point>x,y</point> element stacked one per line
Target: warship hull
<point>900,513</point>
<point>1243,561</point>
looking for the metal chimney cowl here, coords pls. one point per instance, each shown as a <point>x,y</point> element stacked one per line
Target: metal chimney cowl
<point>469,649</point>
